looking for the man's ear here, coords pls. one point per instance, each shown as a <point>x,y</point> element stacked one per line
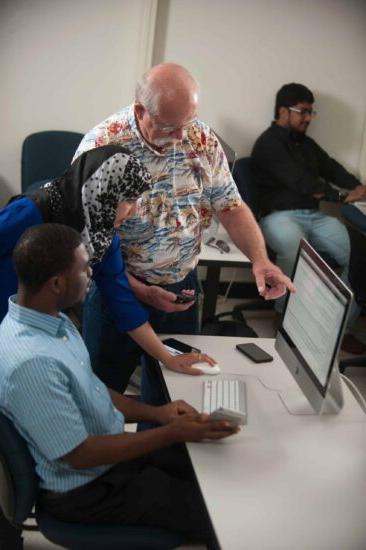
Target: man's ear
<point>283,116</point>
<point>282,113</point>
<point>139,110</point>
<point>56,284</point>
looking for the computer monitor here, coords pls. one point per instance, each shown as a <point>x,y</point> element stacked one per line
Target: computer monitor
<point>310,334</point>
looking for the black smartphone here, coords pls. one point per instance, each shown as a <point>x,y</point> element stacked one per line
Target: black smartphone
<point>184,299</point>
<point>255,353</point>
<point>180,346</point>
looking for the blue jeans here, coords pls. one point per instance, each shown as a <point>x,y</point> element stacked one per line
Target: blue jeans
<point>283,230</point>
<point>114,355</point>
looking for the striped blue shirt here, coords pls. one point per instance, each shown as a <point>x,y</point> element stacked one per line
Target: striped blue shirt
<point>48,389</point>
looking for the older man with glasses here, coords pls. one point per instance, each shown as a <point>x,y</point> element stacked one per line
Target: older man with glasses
<point>191,182</point>
<point>292,174</point>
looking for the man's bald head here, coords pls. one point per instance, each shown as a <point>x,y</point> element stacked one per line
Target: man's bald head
<point>167,89</point>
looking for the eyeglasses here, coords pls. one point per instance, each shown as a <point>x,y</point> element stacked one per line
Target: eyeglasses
<point>302,112</point>
<point>169,128</point>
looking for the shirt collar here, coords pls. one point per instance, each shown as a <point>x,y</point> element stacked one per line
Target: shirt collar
<point>36,319</point>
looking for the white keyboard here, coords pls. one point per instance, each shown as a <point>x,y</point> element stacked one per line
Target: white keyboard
<point>225,397</point>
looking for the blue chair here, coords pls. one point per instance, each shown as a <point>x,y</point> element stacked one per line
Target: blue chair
<point>228,150</point>
<point>18,490</point>
<point>243,176</point>
<point>46,155</point>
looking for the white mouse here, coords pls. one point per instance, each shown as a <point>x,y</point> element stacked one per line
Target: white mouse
<point>206,368</point>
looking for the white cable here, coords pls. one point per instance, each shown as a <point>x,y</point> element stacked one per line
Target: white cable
<point>356,392</point>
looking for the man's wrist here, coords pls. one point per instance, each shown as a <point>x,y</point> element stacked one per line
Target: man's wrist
<point>152,414</point>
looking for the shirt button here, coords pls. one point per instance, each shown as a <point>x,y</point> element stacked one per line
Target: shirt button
<point>96,387</point>
<point>82,363</point>
<point>65,338</point>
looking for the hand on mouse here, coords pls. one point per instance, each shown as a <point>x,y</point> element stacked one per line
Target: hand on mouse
<point>183,362</point>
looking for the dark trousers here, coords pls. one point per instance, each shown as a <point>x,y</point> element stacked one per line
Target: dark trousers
<point>357,265</point>
<point>114,355</point>
<point>156,491</point>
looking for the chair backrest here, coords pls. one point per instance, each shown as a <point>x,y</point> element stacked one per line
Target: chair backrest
<point>46,155</point>
<point>243,177</point>
<point>229,151</point>
<point>18,480</point>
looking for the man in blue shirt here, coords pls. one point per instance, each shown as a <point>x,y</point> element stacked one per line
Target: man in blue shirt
<point>89,470</point>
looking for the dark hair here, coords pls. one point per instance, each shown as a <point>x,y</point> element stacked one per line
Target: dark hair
<point>291,94</point>
<point>44,251</point>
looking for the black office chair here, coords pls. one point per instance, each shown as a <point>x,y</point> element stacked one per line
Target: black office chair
<point>18,490</point>
<point>46,155</point>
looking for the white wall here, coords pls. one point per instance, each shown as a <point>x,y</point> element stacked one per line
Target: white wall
<point>65,65</point>
<point>242,51</point>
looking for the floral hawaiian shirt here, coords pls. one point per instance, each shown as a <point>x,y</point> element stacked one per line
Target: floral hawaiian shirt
<point>191,181</point>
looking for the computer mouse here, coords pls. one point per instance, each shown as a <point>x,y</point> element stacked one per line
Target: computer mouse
<point>223,245</point>
<point>206,368</point>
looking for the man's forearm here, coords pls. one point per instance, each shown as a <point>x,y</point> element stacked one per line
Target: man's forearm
<point>244,232</point>
<point>110,449</point>
<point>133,410</point>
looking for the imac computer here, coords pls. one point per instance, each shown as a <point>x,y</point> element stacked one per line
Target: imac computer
<point>309,338</point>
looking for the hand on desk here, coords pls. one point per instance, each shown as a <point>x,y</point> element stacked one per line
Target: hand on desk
<point>183,362</point>
<point>196,427</point>
<point>270,280</point>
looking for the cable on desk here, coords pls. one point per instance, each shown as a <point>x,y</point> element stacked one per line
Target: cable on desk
<point>356,392</point>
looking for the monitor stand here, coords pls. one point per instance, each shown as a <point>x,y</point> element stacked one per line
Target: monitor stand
<point>297,404</point>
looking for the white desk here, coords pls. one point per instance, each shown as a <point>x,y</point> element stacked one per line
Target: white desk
<point>214,259</point>
<point>284,482</point>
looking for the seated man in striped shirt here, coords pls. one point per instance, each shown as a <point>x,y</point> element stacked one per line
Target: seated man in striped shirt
<point>89,469</point>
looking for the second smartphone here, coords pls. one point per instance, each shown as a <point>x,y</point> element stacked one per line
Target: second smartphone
<point>180,346</point>
<point>255,353</point>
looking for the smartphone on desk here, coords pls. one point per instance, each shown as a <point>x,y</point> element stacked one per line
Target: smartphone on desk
<point>255,353</point>
<point>180,346</point>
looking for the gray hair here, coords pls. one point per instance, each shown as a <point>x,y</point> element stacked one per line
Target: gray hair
<point>147,95</point>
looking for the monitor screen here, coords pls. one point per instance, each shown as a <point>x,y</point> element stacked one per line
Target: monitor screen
<point>313,322</point>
